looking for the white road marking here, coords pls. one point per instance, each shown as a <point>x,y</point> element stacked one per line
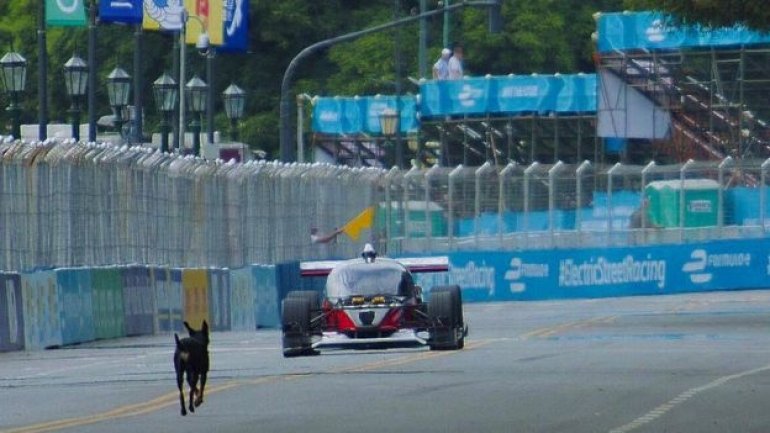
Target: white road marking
<point>681,398</point>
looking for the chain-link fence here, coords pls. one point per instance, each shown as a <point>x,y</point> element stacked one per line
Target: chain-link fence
<point>569,206</point>
<point>67,204</point>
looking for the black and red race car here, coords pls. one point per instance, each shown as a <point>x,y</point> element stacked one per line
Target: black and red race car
<point>372,302</point>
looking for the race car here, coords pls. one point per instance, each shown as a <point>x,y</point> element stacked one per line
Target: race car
<point>372,302</point>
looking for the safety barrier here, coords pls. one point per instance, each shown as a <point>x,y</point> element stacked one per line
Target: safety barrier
<point>606,272</point>
<point>54,307</point>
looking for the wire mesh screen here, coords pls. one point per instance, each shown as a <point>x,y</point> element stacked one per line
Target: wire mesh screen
<point>67,204</point>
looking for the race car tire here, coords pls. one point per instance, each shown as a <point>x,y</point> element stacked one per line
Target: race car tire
<point>446,331</point>
<point>295,323</point>
<point>313,296</point>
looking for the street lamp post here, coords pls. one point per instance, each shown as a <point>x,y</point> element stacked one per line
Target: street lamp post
<point>75,80</point>
<point>165,92</point>
<point>197,94</point>
<point>118,88</point>
<point>389,125</point>
<point>235,99</point>
<point>14,74</point>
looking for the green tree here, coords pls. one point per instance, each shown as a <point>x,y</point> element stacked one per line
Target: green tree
<point>712,13</point>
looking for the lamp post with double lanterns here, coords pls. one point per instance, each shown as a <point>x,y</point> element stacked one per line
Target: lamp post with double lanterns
<point>118,89</point>
<point>165,92</point>
<point>14,74</point>
<point>389,125</point>
<point>235,99</point>
<point>75,81</point>
<point>197,95</point>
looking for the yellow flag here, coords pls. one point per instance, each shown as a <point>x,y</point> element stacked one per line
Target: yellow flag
<point>362,221</point>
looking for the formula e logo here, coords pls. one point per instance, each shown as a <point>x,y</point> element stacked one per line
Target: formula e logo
<point>697,266</point>
<point>519,270</point>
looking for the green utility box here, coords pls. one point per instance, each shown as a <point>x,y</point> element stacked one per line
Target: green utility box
<point>413,219</point>
<point>700,202</point>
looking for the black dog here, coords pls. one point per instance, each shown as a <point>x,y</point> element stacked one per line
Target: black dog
<point>192,357</point>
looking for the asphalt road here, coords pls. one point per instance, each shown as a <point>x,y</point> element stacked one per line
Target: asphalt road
<point>684,363</point>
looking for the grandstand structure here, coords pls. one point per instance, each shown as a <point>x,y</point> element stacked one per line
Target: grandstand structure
<point>661,92</point>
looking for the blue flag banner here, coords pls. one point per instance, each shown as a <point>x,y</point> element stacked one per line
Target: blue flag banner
<point>510,94</point>
<point>236,20</point>
<point>357,115</point>
<point>120,11</point>
<point>652,30</point>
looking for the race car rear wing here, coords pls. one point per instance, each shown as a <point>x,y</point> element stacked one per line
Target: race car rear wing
<point>321,268</point>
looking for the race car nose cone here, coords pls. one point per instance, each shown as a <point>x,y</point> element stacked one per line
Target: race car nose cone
<point>366,317</point>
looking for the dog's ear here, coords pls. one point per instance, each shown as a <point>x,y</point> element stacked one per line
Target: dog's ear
<point>176,338</point>
<point>205,327</point>
<point>187,326</point>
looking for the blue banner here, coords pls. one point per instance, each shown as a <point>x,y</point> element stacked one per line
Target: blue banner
<point>243,300</point>
<point>120,11</point>
<point>651,30</point>
<point>236,17</point>
<point>361,115</point>
<point>593,272</point>
<point>266,300</point>
<point>76,312</point>
<point>511,94</point>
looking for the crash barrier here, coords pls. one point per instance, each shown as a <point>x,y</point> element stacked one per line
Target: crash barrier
<point>47,308</point>
<point>605,272</point>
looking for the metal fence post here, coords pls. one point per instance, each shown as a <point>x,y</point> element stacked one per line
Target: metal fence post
<point>720,197</point>
<point>585,165</point>
<point>552,172</point>
<point>762,193</point>
<point>477,200</point>
<point>426,181</point>
<point>501,199</point>
<point>450,203</point>
<point>527,173</point>
<point>682,176</point>
<point>610,173</point>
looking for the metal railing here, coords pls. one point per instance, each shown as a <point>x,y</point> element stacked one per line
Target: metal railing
<point>66,204</point>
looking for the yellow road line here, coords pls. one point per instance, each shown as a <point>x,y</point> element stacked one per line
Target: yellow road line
<point>172,398</point>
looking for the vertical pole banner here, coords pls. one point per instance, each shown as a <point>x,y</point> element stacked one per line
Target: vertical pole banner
<point>65,13</point>
<point>138,301</point>
<point>203,15</point>
<point>11,313</point>
<point>195,289</point>
<point>42,325</point>
<point>236,26</point>
<point>75,305</point>
<point>243,300</point>
<point>120,11</point>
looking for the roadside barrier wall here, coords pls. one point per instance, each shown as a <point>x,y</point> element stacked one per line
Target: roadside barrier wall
<point>606,272</point>
<point>48,308</point>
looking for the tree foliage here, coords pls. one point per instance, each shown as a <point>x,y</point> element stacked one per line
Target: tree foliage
<point>754,14</point>
<point>542,36</point>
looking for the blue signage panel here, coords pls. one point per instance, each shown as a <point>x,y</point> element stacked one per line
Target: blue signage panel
<point>120,11</point>
<point>42,326</point>
<point>243,300</point>
<point>266,299</point>
<point>591,273</point>
<point>361,115</point>
<point>76,312</point>
<point>138,301</point>
<point>650,30</point>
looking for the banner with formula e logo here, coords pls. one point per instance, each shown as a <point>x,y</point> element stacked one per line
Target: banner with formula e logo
<point>592,273</point>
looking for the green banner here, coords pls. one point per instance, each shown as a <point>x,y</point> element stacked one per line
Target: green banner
<point>65,13</point>
<point>107,303</point>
